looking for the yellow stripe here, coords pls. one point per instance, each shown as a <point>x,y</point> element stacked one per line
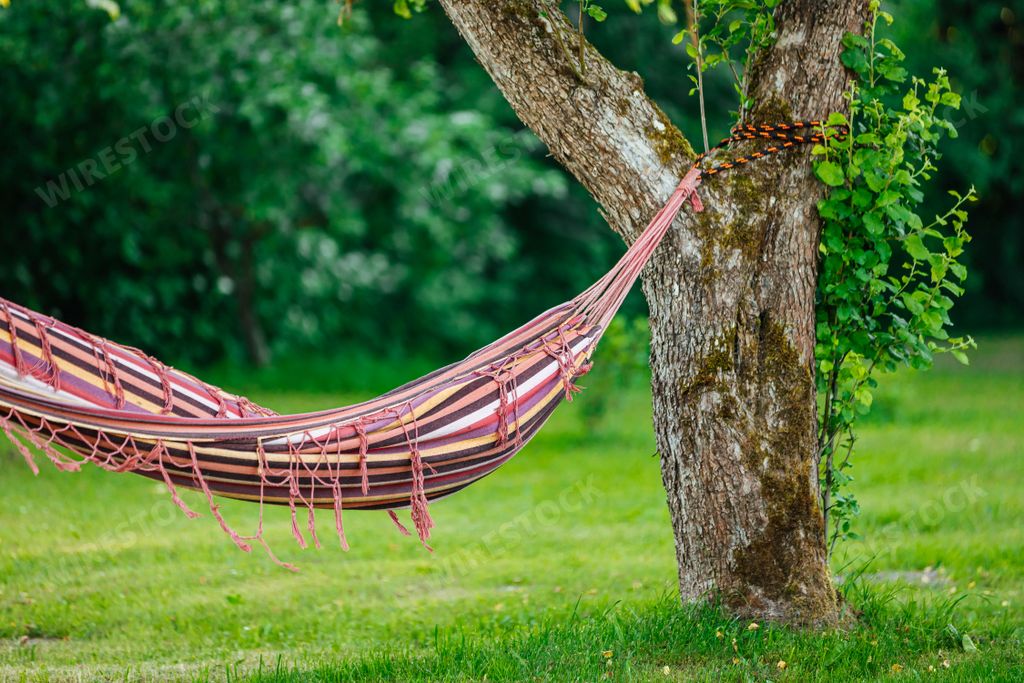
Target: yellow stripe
<point>248,458</point>
<point>89,378</point>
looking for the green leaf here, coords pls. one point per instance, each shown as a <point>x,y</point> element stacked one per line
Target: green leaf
<point>876,181</point>
<point>837,119</point>
<point>915,247</point>
<point>855,40</point>
<point>913,304</point>
<point>896,74</point>
<point>830,173</point>
<point>873,223</point>
<point>855,60</point>
<point>886,198</point>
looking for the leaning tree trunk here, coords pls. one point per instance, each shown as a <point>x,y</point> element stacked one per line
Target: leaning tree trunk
<point>731,291</point>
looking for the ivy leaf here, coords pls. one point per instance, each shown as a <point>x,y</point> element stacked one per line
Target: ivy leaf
<point>837,119</point>
<point>855,40</point>
<point>830,173</point>
<point>875,181</point>
<point>896,74</point>
<point>915,247</point>
<point>873,223</point>
<point>913,303</point>
<point>950,99</point>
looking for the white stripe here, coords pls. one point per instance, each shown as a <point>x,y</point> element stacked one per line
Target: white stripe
<point>29,384</point>
<point>477,415</point>
<point>80,343</point>
<point>513,397</point>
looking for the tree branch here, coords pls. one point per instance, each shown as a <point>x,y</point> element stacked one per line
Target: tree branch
<point>600,126</point>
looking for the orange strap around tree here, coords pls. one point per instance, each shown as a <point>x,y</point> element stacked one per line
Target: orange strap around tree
<point>786,133</point>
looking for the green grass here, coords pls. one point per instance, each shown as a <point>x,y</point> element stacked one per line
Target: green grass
<point>561,558</point>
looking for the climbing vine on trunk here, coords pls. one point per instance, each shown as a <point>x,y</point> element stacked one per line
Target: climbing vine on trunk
<point>887,279</point>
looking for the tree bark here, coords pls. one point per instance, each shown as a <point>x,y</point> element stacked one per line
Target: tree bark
<point>731,290</point>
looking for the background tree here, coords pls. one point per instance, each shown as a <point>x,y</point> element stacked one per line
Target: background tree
<point>315,191</point>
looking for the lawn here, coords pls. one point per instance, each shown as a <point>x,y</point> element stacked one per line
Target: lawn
<point>559,567</point>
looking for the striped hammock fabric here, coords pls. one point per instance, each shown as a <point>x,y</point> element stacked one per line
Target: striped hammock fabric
<point>78,398</point>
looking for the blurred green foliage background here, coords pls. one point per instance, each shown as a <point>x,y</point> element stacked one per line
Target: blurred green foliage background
<point>273,183</point>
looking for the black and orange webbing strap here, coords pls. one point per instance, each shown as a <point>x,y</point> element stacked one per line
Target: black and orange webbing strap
<point>786,134</point>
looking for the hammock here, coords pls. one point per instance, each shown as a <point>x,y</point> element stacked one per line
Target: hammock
<point>80,398</point>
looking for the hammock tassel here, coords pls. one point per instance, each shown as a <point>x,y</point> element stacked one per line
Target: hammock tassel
<point>398,523</point>
<point>214,507</point>
<point>50,371</point>
<point>293,493</point>
<point>338,526</point>
<point>18,444</point>
<point>161,450</point>
<point>364,445</point>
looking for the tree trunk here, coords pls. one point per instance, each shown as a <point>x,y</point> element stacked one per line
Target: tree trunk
<point>731,291</point>
<point>248,317</point>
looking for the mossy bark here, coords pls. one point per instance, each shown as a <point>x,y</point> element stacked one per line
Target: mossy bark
<point>731,290</point>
